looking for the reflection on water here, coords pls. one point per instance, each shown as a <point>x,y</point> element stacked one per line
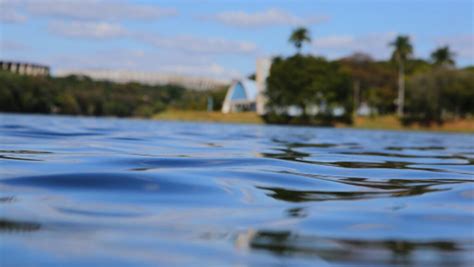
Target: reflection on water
<point>148,193</point>
<point>299,196</point>
<point>358,252</point>
<point>11,226</point>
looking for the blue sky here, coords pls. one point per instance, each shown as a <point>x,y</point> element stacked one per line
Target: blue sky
<point>222,38</point>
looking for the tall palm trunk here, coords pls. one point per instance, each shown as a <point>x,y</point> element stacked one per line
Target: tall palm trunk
<point>356,97</point>
<point>401,90</point>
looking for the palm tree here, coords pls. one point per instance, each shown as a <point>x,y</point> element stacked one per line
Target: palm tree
<point>401,53</point>
<point>443,57</point>
<point>298,37</point>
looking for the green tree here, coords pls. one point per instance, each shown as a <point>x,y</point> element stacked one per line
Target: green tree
<point>308,83</point>
<point>82,95</point>
<point>443,57</point>
<point>373,82</point>
<point>299,36</point>
<point>402,51</point>
<point>67,104</point>
<point>439,95</point>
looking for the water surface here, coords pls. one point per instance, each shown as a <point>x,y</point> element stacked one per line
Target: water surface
<point>95,192</point>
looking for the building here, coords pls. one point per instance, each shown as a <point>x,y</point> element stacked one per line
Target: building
<point>25,68</point>
<point>248,95</point>
<point>151,78</point>
<point>241,96</point>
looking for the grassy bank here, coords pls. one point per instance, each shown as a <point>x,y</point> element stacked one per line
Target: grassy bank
<point>215,116</point>
<point>389,122</point>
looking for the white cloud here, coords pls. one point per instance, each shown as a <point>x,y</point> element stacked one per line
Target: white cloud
<point>337,41</point>
<point>197,44</point>
<point>335,46</point>
<point>11,17</point>
<point>96,10</point>
<point>269,17</point>
<point>86,29</point>
<point>7,45</point>
<point>189,44</point>
<point>9,48</point>
<point>10,14</point>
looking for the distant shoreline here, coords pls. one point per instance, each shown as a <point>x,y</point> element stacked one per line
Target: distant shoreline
<point>387,122</point>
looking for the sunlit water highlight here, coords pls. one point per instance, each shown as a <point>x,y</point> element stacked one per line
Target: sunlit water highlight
<point>115,192</point>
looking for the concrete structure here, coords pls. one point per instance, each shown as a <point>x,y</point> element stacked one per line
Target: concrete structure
<point>241,96</point>
<point>151,78</point>
<point>261,74</point>
<point>25,68</point>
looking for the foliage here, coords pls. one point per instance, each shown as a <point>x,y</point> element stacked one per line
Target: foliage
<point>439,95</point>
<point>307,82</point>
<point>416,66</point>
<point>443,57</point>
<point>252,76</point>
<point>402,49</point>
<point>436,92</point>
<point>299,36</point>
<point>79,95</point>
<point>376,81</point>
<point>197,100</point>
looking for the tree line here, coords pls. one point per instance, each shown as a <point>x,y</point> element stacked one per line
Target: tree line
<point>309,89</point>
<point>301,88</point>
<point>80,95</point>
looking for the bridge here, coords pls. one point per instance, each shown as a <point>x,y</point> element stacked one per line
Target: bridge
<point>25,68</point>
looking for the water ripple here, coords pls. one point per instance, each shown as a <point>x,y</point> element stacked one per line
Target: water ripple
<point>149,193</point>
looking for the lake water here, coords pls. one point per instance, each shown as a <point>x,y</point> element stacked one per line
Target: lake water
<point>117,192</point>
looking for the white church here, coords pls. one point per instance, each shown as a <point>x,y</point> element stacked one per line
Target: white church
<point>248,95</point>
